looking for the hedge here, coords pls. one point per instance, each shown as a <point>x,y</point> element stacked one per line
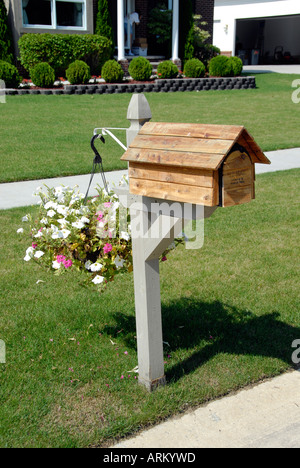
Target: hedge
<point>59,50</point>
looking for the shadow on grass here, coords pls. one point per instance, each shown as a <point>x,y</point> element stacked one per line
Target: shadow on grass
<point>214,328</point>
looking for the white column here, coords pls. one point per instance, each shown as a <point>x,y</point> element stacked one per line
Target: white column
<point>175,30</point>
<point>121,35</point>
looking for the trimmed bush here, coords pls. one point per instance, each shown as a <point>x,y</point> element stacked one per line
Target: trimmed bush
<point>236,66</point>
<point>194,68</point>
<point>59,50</point>
<point>42,75</point>
<point>140,69</point>
<point>9,74</point>
<point>78,72</point>
<point>220,66</point>
<point>167,69</point>
<point>112,72</point>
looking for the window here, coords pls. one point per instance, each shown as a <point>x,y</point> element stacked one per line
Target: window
<point>54,14</point>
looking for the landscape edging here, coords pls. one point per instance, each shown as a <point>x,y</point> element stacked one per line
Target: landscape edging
<point>159,85</point>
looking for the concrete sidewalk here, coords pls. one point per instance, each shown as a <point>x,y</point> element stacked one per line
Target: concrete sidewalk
<point>264,416</point>
<point>18,194</point>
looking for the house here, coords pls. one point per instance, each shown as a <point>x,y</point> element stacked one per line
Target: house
<point>259,31</point>
<point>78,17</point>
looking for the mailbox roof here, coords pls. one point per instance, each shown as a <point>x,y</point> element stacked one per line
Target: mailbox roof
<point>190,145</point>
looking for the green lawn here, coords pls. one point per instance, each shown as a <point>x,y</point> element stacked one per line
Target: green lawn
<point>230,314</point>
<point>48,136</point>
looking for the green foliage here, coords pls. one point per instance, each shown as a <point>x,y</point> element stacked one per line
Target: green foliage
<point>167,69</point>
<point>78,72</point>
<point>42,75</point>
<point>160,24</point>
<point>201,35</point>
<point>140,69</point>
<point>104,23</point>
<point>9,74</point>
<point>206,53</point>
<point>112,72</point>
<point>220,66</point>
<point>194,68</point>
<point>236,65</point>
<point>6,50</point>
<point>59,50</point>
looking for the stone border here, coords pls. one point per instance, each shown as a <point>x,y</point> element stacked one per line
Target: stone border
<point>159,85</point>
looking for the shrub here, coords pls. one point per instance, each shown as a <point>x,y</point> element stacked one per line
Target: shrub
<point>167,69</point>
<point>194,68</point>
<point>59,50</point>
<point>42,75</point>
<point>78,72</point>
<point>104,23</point>
<point>236,66</point>
<point>140,69</point>
<point>9,74</point>
<point>220,66</point>
<point>112,72</point>
<point>6,50</point>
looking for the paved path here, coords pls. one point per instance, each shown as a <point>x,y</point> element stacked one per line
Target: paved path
<point>286,69</point>
<point>17,194</point>
<point>265,416</point>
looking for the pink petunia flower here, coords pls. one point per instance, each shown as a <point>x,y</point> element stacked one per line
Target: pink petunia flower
<point>68,263</point>
<point>60,258</point>
<point>107,204</point>
<point>107,248</point>
<point>100,215</point>
<point>34,246</point>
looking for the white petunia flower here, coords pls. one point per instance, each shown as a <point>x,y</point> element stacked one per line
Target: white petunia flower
<point>62,209</point>
<point>84,219</point>
<point>39,234</point>
<point>65,233</point>
<point>58,191</point>
<point>39,254</point>
<point>56,265</point>
<point>44,221</point>
<point>20,231</point>
<point>98,279</point>
<point>119,262</point>
<point>88,265</point>
<point>29,254</point>
<point>124,235</point>
<point>78,225</point>
<point>25,218</point>
<point>51,204</point>
<point>96,267</point>
<point>51,213</point>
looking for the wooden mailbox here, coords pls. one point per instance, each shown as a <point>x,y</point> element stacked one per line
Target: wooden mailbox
<point>210,165</point>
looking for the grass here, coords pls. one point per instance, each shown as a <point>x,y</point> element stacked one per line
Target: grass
<point>48,136</point>
<point>230,314</point>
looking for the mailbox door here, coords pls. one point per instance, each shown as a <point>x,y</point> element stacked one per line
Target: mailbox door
<point>237,179</point>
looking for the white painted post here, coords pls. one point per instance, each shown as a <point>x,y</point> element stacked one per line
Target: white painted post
<point>175,31</point>
<point>138,114</point>
<point>121,34</point>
